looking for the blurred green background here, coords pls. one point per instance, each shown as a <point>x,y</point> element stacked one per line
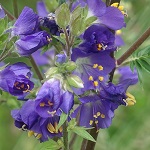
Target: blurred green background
<point>130,129</point>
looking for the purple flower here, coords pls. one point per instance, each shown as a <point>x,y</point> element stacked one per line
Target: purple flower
<point>15,79</point>
<point>93,69</point>
<point>98,38</point>
<point>2,13</point>
<point>26,45</point>
<point>109,16</point>
<point>51,99</point>
<point>95,111</point>
<point>27,23</point>
<point>27,119</point>
<point>41,9</point>
<point>61,58</point>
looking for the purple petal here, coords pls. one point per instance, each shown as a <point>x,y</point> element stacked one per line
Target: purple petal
<point>41,9</point>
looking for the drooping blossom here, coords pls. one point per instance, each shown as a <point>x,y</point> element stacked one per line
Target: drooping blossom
<point>15,79</point>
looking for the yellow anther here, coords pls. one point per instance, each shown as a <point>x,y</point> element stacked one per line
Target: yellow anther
<point>121,8</point>
<point>91,122</point>
<point>60,129</point>
<point>115,4</point>
<point>96,122</point>
<point>101,78</point>
<point>90,78</point>
<point>55,126</point>
<point>95,116</point>
<point>42,104</point>
<point>95,65</point>
<point>123,12</point>
<point>102,116</point>
<point>130,99</point>
<point>99,47</point>
<point>39,136</point>
<point>100,67</point>
<point>50,104</point>
<point>51,128</point>
<point>98,114</point>
<point>95,83</point>
<point>30,133</point>
<point>118,32</point>
<point>49,39</point>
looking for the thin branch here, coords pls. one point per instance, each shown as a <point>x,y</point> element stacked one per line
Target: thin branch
<point>65,136</point>
<point>10,16</point>
<point>36,68</point>
<point>15,8</point>
<point>134,47</point>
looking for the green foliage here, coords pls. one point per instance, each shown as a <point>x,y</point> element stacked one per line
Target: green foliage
<point>63,15</point>
<point>63,118</point>
<point>3,24</point>
<point>50,145</point>
<point>75,81</point>
<point>51,5</point>
<point>141,61</point>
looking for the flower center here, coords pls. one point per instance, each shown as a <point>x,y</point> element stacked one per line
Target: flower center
<point>53,128</point>
<point>22,86</point>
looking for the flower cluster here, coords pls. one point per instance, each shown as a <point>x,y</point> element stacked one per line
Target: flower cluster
<point>78,83</point>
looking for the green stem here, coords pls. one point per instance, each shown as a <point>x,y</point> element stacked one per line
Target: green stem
<point>65,136</point>
<point>40,76</point>
<point>15,8</point>
<point>134,47</point>
<point>10,16</point>
<point>67,42</point>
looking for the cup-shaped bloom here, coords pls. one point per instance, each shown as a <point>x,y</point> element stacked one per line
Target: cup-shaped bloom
<point>15,79</point>
<point>93,69</point>
<point>98,38</point>
<point>61,58</point>
<point>26,45</point>
<point>27,23</point>
<point>95,111</point>
<point>110,16</point>
<point>27,119</point>
<point>52,99</point>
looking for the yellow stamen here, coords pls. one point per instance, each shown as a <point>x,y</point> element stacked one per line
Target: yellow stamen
<point>60,129</point>
<point>52,112</point>
<point>49,39</point>
<point>130,99</point>
<point>95,116</point>
<point>90,78</point>
<point>42,104</point>
<point>91,122</point>
<point>100,67</point>
<point>101,78</point>
<point>51,128</point>
<point>96,122</point>
<point>39,136</point>
<point>115,4</point>
<point>95,83</point>
<point>30,133</point>
<point>102,116</point>
<point>95,65</point>
<point>118,32</point>
<point>99,47</point>
<point>50,104</point>
<point>55,126</point>
<point>121,8</point>
<point>98,113</point>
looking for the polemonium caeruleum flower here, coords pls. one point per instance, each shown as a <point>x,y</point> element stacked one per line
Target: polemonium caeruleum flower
<point>28,44</point>
<point>93,69</point>
<point>27,26</point>
<point>15,79</point>
<point>98,109</point>
<point>98,38</point>
<point>52,99</point>
<point>27,119</point>
<point>110,16</point>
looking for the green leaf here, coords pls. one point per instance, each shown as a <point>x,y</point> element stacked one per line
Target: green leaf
<point>3,24</point>
<point>141,61</point>
<point>90,20</point>
<point>75,81</point>
<point>76,13</point>
<point>83,133</point>
<point>50,145</point>
<point>51,5</point>
<point>63,118</point>
<point>63,15</point>
<point>70,66</point>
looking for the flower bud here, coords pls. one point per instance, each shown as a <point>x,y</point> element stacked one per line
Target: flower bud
<point>71,66</point>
